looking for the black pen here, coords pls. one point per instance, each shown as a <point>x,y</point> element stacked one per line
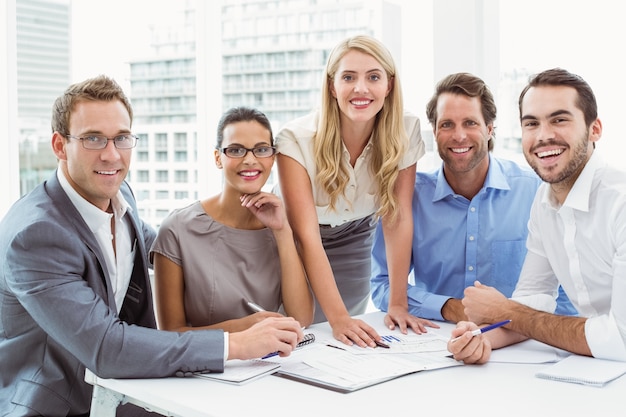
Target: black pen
<point>336,347</point>
<point>381,344</point>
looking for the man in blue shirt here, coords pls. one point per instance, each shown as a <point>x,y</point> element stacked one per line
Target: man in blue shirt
<point>470,215</point>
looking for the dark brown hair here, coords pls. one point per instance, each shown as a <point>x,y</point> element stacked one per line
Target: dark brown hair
<point>559,77</point>
<point>467,85</point>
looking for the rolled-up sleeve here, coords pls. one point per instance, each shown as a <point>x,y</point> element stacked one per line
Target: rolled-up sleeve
<point>417,148</point>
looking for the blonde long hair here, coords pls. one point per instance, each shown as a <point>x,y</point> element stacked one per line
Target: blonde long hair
<point>389,139</point>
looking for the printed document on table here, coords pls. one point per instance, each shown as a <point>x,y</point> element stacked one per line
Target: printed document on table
<point>431,342</point>
<point>357,368</point>
<point>340,370</point>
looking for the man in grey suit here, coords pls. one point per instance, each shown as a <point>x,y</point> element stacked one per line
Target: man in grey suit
<point>74,284</point>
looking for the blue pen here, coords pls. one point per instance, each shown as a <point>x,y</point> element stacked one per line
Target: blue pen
<point>270,355</point>
<point>308,339</point>
<point>485,329</point>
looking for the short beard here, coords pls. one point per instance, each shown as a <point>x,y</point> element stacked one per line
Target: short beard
<point>574,166</point>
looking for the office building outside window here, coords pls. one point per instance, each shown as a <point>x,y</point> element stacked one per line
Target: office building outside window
<point>273,55</point>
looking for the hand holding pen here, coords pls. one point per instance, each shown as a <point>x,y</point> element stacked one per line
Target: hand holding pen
<point>472,349</point>
<point>308,338</point>
<point>273,334</point>
<point>482,330</point>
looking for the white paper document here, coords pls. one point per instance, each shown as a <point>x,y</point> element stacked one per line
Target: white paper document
<point>402,343</point>
<point>356,368</point>
<point>343,371</point>
<point>242,371</point>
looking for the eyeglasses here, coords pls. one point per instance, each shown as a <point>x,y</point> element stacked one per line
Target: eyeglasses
<point>126,141</point>
<point>240,152</point>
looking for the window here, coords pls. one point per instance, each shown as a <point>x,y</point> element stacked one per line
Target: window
<point>162,176</point>
<point>160,141</point>
<point>142,143</point>
<point>180,156</point>
<point>143,176</point>
<point>142,156</point>
<point>180,141</point>
<point>181,176</point>
<point>434,38</point>
<point>160,156</point>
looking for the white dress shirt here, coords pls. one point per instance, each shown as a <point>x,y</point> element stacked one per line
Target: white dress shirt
<point>582,245</point>
<point>119,267</point>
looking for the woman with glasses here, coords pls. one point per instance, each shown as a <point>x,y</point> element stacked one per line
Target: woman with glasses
<point>343,167</point>
<point>230,260</point>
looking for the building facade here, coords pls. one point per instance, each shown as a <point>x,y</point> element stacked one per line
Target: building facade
<point>43,60</point>
<point>268,54</point>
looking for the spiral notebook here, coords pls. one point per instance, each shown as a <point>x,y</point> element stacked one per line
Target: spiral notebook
<point>584,370</point>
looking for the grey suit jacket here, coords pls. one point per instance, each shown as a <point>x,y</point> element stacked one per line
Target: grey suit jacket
<point>58,315</point>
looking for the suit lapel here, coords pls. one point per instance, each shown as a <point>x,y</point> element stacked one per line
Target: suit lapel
<point>75,219</point>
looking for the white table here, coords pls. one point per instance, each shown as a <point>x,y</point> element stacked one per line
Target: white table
<point>494,389</point>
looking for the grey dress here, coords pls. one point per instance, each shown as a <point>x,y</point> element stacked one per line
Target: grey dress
<point>223,267</point>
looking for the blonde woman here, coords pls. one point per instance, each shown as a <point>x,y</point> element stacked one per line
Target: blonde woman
<point>341,169</point>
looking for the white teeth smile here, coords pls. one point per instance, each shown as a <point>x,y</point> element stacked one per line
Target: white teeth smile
<point>360,102</point>
<point>460,150</point>
<point>107,172</point>
<point>249,173</point>
<point>553,152</point>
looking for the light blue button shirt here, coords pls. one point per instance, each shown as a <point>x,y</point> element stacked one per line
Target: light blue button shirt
<point>457,241</point>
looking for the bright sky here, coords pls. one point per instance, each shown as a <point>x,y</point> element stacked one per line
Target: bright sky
<point>582,36</point>
<point>106,48</point>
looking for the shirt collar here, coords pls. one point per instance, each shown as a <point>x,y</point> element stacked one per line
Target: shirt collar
<point>93,216</point>
<point>578,196</point>
<point>365,151</point>
<point>495,179</point>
